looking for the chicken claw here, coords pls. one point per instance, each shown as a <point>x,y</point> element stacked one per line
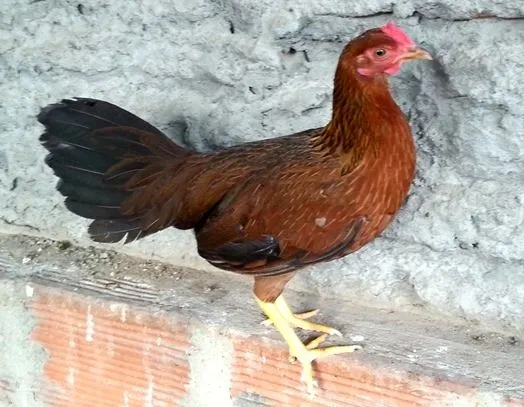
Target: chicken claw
<point>301,315</point>
<point>305,354</point>
<point>299,320</point>
<point>313,344</point>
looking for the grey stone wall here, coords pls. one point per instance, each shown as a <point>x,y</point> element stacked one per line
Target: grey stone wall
<point>221,72</point>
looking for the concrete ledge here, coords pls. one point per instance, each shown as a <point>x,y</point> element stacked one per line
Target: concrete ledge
<point>120,331</point>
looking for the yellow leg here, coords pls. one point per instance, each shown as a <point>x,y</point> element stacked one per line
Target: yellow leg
<point>301,315</point>
<point>305,354</point>
<point>298,320</point>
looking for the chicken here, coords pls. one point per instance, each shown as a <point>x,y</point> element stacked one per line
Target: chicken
<point>264,209</point>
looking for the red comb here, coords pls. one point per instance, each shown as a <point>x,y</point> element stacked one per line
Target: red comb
<point>396,33</point>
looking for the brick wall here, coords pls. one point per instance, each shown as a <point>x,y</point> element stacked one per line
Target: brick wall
<point>103,352</point>
<point>133,338</point>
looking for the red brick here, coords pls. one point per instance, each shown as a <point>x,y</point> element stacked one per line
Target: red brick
<point>103,354</point>
<point>260,368</point>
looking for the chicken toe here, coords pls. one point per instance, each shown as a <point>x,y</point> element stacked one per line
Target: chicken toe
<point>299,321</point>
<point>301,315</point>
<point>305,354</point>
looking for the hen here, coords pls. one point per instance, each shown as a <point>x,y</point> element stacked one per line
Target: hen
<point>263,209</point>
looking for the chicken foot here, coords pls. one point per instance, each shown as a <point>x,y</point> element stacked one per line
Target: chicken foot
<point>305,354</point>
<point>300,315</point>
<point>299,320</point>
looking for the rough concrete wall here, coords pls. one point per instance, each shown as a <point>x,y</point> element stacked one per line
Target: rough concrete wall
<point>218,73</point>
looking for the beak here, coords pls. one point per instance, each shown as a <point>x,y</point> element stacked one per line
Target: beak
<point>417,53</point>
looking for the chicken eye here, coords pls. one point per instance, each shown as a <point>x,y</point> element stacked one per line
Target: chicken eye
<point>380,52</point>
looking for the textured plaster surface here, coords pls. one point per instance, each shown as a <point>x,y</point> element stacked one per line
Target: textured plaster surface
<point>218,73</point>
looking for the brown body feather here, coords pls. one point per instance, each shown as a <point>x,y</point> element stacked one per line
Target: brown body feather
<point>265,208</point>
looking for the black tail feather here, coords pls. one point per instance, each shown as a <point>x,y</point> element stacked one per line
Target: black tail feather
<point>91,114</point>
<point>90,195</point>
<point>91,211</point>
<point>113,231</point>
<point>88,160</point>
<point>75,175</point>
<point>86,138</point>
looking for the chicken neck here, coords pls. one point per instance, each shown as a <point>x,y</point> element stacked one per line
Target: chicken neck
<point>364,117</point>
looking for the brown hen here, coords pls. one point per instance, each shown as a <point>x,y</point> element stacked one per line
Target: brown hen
<point>264,209</point>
